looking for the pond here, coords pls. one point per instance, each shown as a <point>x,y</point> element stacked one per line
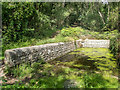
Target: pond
<point>81,68</point>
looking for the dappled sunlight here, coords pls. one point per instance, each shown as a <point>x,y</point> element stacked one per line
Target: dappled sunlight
<point>34,24</point>
<point>81,68</point>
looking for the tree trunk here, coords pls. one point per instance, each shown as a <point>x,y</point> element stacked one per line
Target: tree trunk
<point>108,13</point>
<point>101,17</point>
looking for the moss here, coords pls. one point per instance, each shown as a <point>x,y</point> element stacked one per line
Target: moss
<point>89,67</point>
<point>102,57</point>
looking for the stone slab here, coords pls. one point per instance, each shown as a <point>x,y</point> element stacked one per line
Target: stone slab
<point>96,43</point>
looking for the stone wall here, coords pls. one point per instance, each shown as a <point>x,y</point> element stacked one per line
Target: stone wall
<point>79,43</point>
<point>49,51</point>
<point>34,53</point>
<point>96,43</point>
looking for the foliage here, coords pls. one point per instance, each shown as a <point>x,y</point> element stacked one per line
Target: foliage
<point>21,71</point>
<point>29,22</point>
<point>44,17</point>
<point>36,23</point>
<point>103,59</point>
<point>54,73</point>
<point>67,34</point>
<point>114,45</point>
<point>16,22</point>
<point>78,32</point>
<point>93,80</point>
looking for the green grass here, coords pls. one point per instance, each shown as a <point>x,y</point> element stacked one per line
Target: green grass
<point>55,78</point>
<point>66,34</point>
<point>53,74</point>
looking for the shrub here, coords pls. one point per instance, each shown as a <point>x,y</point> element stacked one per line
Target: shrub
<point>93,80</point>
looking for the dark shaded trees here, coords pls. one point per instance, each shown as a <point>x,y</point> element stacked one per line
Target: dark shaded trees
<point>43,17</point>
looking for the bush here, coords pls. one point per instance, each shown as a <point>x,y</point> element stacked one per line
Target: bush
<point>21,71</point>
<point>93,80</point>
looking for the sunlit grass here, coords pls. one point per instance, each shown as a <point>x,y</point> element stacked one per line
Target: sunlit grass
<point>53,76</point>
<point>48,75</point>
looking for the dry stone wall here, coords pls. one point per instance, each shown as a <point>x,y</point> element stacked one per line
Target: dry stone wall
<point>49,51</point>
<point>34,53</point>
<point>79,43</point>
